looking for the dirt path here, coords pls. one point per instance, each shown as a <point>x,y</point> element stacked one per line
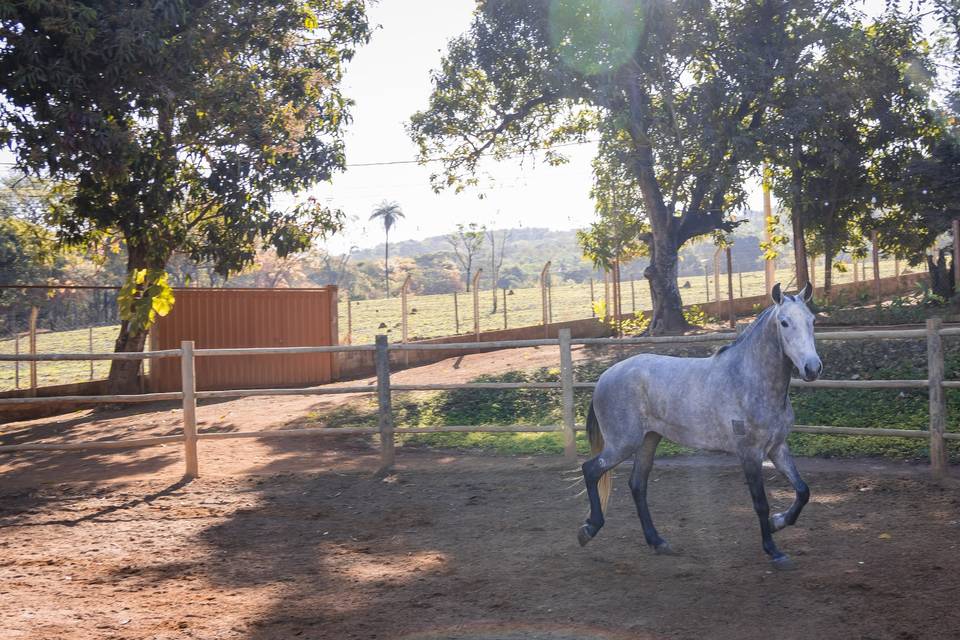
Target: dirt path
<point>455,546</point>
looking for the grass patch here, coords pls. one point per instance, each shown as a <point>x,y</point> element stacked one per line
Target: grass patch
<point>53,373</point>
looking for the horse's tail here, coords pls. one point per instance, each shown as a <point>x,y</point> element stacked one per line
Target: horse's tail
<point>596,446</point>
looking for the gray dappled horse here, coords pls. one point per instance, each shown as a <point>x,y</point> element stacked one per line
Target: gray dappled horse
<point>735,401</point>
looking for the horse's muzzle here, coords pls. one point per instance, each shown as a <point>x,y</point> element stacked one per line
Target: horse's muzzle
<point>812,369</point>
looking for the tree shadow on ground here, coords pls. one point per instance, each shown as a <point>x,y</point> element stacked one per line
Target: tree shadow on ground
<point>349,555</point>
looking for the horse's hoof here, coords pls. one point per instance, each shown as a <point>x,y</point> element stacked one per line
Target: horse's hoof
<point>585,535</point>
<point>783,563</point>
<point>663,549</point>
<point>778,521</point>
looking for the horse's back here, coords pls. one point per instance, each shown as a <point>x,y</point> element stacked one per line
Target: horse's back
<point>665,394</point>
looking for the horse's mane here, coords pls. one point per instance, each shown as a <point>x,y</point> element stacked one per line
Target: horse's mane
<point>758,322</point>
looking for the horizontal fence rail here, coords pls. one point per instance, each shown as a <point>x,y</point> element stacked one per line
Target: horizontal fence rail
<point>935,384</point>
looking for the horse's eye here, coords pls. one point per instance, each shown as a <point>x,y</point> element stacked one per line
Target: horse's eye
<point>783,323</point>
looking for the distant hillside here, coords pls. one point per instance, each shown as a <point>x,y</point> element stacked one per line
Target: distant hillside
<point>527,249</point>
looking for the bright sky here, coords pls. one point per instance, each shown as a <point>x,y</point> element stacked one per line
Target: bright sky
<point>389,79</point>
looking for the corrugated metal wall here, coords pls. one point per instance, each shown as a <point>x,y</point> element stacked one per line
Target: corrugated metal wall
<point>225,318</point>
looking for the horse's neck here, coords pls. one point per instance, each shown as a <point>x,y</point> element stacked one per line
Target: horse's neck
<point>763,353</point>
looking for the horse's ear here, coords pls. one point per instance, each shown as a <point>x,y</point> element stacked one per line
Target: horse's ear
<point>776,294</point>
<point>807,292</point>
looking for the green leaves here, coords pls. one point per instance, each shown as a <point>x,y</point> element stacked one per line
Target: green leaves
<point>144,296</point>
<point>176,123</point>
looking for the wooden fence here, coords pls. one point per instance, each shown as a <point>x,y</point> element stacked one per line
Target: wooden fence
<point>934,383</point>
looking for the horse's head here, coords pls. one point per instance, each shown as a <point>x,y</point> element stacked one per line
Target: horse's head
<point>795,323</point>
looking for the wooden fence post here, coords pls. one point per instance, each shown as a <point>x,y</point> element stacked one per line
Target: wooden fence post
<point>706,280</point>
<point>456,313</point>
<point>349,320</point>
<point>385,409</point>
<point>566,382</point>
<point>404,289</point>
<point>476,304</point>
<point>717,311</point>
<point>33,349</point>
<point>90,349</point>
<point>404,321</point>
<point>938,406</point>
<point>956,250</point>
<point>593,310</point>
<point>189,388</point>
<point>769,266</point>
<point>16,351</point>
<point>544,303</point>
<point>733,316</point>
<point>504,307</point>
<point>876,267</point>
<point>606,295</point>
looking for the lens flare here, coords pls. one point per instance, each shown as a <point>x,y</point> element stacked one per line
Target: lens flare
<point>595,36</point>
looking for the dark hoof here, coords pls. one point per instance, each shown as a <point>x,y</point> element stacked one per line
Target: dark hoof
<point>663,549</point>
<point>783,563</point>
<point>585,535</point>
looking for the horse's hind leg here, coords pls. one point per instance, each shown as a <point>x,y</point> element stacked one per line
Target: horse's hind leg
<point>642,464</point>
<point>753,469</point>
<point>783,461</point>
<point>593,470</point>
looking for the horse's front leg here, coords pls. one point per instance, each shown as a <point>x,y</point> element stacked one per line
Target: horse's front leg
<point>753,469</point>
<point>783,461</point>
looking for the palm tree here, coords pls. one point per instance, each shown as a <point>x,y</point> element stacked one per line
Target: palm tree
<point>389,213</point>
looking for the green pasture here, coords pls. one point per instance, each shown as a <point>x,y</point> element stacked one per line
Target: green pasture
<point>433,316</point>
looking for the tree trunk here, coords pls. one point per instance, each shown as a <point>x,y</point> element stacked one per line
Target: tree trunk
<point>827,272</point>
<point>667,304</point>
<point>796,216</point>
<point>124,377</point>
<point>941,277</point>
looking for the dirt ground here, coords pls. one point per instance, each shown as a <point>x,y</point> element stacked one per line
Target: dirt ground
<point>297,538</point>
<point>454,546</point>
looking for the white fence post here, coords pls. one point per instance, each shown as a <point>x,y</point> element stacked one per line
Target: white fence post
<point>938,406</point>
<point>566,382</point>
<point>189,388</point>
<point>385,410</point>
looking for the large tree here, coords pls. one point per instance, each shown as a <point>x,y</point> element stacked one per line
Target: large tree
<point>844,130</point>
<point>678,92</point>
<point>173,123</point>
